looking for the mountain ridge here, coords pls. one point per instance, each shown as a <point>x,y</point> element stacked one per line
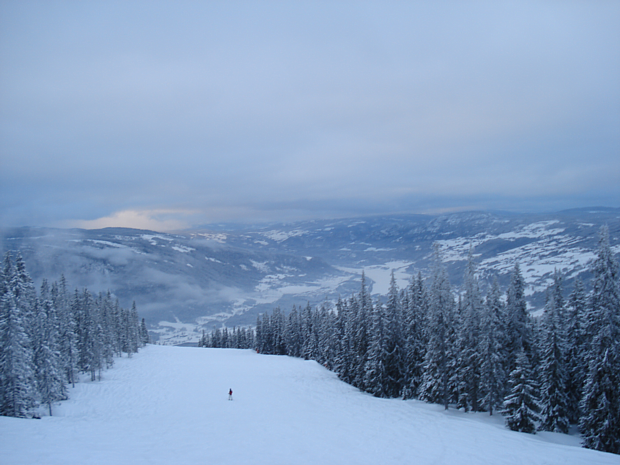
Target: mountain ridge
<point>186,282</point>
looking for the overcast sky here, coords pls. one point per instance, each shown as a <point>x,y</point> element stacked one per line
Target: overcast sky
<point>165,115</point>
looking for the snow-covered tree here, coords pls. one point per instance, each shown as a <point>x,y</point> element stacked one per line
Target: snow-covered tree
<point>600,405</point>
<point>552,373</point>
<point>277,323</point>
<point>292,333</point>
<point>48,368</point>
<point>415,337</point>
<point>67,336</point>
<point>375,377</point>
<point>435,385</point>
<point>575,367</point>
<point>469,362</point>
<point>521,405</point>
<point>18,395</point>
<point>392,346</point>
<point>361,309</point>
<point>345,358</point>
<point>492,351</point>
<point>308,334</point>
<point>517,319</point>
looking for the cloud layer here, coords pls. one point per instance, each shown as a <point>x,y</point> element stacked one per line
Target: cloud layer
<point>115,113</point>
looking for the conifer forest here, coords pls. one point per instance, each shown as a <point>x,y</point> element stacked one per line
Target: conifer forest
<point>476,353</point>
<point>49,337</point>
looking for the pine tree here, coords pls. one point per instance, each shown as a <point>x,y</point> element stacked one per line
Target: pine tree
<point>48,374</point>
<point>375,377</point>
<point>416,314</point>
<point>106,320</point>
<point>553,400</point>
<point>292,333</point>
<point>26,297</point>
<point>67,336</point>
<point>18,396</point>
<point>309,342</point>
<point>344,363</point>
<point>361,309</point>
<point>326,321</point>
<point>277,322</point>
<point>492,349</point>
<point>331,337</point>
<point>133,328</point>
<point>600,406</point>
<point>575,368</point>
<point>144,333</point>
<point>392,350</point>
<point>517,320</point>
<point>259,339</point>
<point>521,405</point>
<point>470,360</point>
<point>600,421</point>
<point>435,385</point>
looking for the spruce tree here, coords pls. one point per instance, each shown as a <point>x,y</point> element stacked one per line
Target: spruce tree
<point>470,359</point>
<point>361,309</point>
<point>600,405</point>
<point>309,342</point>
<point>492,350</point>
<point>517,320</point>
<point>521,404</point>
<point>392,346</point>
<point>48,368</point>
<point>552,373</point>
<point>375,378</point>
<point>575,368</point>
<point>415,320</point>
<point>435,385</point>
<point>67,336</point>
<point>346,356</point>
<point>18,396</point>
<point>292,333</point>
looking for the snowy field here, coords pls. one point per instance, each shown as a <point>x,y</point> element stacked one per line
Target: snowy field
<point>169,405</point>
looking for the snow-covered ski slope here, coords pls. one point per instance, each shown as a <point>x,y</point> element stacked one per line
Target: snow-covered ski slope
<point>169,405</point>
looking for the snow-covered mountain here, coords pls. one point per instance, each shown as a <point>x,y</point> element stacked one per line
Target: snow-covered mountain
<point>194,280</point>
<point>168,405</point>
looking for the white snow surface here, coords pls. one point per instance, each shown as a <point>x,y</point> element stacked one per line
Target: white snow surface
<point>169,405</point>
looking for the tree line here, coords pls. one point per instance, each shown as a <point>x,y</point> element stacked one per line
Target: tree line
<point>236,338</point>
<point>478,353</point>
<point>47,338</point>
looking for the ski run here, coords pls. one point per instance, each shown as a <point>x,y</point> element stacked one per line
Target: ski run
<point>169,405</point>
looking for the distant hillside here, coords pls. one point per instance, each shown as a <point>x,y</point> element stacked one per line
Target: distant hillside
<point>195,280</point>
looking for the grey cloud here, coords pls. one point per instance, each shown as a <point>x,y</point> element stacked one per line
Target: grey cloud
<point>243,107</point>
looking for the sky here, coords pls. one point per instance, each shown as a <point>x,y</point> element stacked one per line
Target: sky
<point>169,115</point>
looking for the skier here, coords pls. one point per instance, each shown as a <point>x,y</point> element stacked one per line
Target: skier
<point>230,394</point>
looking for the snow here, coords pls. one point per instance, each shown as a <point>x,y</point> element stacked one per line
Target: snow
<point>151,238</point>
<point>217,237</point>
<point>182,248</point>
<point>538,259</point>
<point>280,236</point>
<point>168,405</point>
<point>106,243</point>
<point>381,275</point>
<point>177,332</point>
